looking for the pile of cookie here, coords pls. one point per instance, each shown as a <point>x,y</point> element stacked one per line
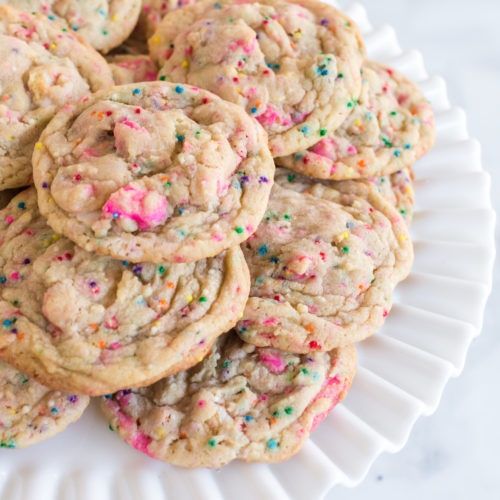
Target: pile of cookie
<point>204,223</point>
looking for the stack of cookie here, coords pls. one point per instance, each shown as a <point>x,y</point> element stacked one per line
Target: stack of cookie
<point>204,242</point>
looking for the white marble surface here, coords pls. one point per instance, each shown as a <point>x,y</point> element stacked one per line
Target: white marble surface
<point>454,454</point>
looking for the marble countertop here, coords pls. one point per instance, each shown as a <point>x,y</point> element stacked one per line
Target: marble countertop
<point>452,455</point>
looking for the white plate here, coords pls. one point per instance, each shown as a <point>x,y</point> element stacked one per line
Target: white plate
<point>403,369</point>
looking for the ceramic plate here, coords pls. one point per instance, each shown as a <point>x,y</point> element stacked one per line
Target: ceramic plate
<point>402,370</point>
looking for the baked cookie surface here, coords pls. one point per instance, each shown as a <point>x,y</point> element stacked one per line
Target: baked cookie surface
<point>31,412</point>
<point>130,68</point>
<point>42,68</point>
<point>391,126</point>
<point>242,402</point>
<point>90,324</point>
<point>323,264</point>
<point>154,172</point>
<point>295,66</point>
<point>398,189</point>
<point>104,24</point>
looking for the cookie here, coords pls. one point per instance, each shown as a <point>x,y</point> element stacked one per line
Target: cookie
<point>242,402</point>
<point>31,412</point>
<point>128,68</point>
<point>323,264</point>
<point>152,12</point>
<point>81,322</point>
<point>295,66</point>
<point>154,172</point>
<point>104,24</point>
<point>391,126</point>
<point>42,68</point>
<point>398,189</point>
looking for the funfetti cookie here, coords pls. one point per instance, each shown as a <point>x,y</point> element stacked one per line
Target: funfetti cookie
<point>154,172</point>
<point>152,12</point>
<point>104,24</point>
<point>42,68</point>
<point>391,126</point>
<point>81,322</point>
<point>323,264</point>
<point>295,66</point>
<point>130,68</point>
<point>31,412</point>
<point>242,402</point>
<point>398,189</point>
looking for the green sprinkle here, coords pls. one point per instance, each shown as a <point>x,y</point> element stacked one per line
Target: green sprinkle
<point>212,442</point>
<point>226,363</point>
<point>393,113</point>
<point>287,217</point>
<point>288,410</point>
<point>110,427</point>
<point>7,444</point>
<point>239,229</point>
<point>162,78</point>
<point>167,184</point>
<point>387,142</point>
<point>276,413</point>
<point>345,249</point>
<point>291,177</point>
<point>202,299</point>
<point>105,32</point>
<point>304,371</point>
<point>161,269</point>
<point>322,132</point>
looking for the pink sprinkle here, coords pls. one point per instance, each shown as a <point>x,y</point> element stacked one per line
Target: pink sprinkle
<point>15,276</point>
<point>274,363</point>
<point>326,147</point>
<point>217,237</point>
<point>147,208</point>
<point>201,403</point>
<point>351,150</point>
<point>114,346</point>
<point>270,321</point>
<point>269,116</point>
<point>140,442</point>
<point>9,219</point>
<point>111,323</point>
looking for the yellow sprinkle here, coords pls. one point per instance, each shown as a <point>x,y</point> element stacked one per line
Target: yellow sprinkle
<point>297,34</point>
<point>39,146</point>
<point>402,237</point>
<point>189,298</point>
<point>344,235</point>
<point>114,17</point>
<point>185,64</point>
<point>155,39</point>
<point>53,46</point>
<point>159,433</point>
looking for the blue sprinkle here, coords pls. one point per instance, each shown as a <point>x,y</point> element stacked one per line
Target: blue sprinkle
<point>397,153</point>
<point>51,17</point>
<point>272,444</point>
<point>7,322</point>
<point>407,146</point>
<point>248,418</point>
<point>262,250</point>
<point>179,89</point>
<point>3,280</point>
<point>304,129</point>
<point>54,411</point>
<point>253,110</point>
<point>179,137</point>
<point>21,205</point>
<point>116,215</point>
<point>136,91</point>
